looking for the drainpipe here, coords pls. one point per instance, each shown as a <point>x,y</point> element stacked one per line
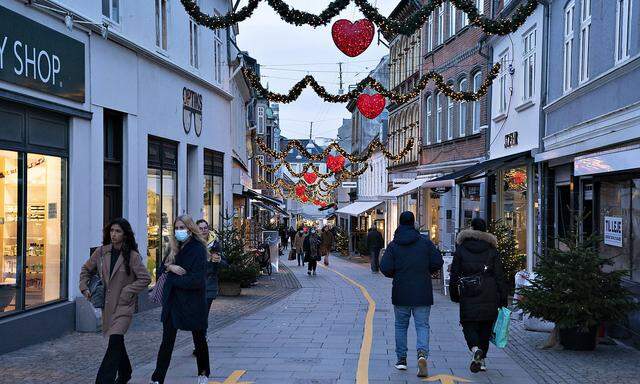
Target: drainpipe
<point>487,142</point>
<point>543,203</point>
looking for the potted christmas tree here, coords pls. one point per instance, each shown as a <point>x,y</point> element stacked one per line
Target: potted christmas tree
<point>575,289</point>
<point>242,265</point>
<point>512,260</point>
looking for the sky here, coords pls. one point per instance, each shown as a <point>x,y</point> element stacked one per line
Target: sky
<point>286,53</point>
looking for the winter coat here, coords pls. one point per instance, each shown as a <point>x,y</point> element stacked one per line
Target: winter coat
<point>184,301</point>
<point>474,250</point>
<point>298,243</point>
<point>120,289</point>
<point>326,242</point>
<point>410,259</point>
<point>212,271</point>
<point>292,236</point>
<point>375,242</point>
<point>312,248</point>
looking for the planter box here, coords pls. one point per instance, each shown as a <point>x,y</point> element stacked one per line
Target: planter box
<point>229,289</point>
<point>575,339</point>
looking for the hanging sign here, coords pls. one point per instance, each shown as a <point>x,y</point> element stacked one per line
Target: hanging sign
<point>511,139</point>
<point>191,110</point>
<point>613,231</point>
<point>40,58</point>
<point>440,190</point>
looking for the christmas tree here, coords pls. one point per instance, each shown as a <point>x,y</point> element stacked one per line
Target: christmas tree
<point>342,242</point>
<point>512,260</point>
<point>242,265</point>
<point>572,288</point>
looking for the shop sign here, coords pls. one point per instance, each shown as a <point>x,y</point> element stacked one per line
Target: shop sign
<point>588,192</point>
<point>349,184</point>
<point>37,57</point>
<point>440,190</point>
<point>511,139</point>
<point>191,110</point>
<point>613,231</point>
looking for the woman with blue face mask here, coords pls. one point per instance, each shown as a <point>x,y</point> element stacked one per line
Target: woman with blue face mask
<point>184,302</point>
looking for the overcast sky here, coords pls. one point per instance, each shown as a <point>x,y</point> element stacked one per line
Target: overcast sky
<point>287,53</point>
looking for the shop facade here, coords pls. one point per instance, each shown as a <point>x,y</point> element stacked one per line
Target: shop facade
<point>94,128</point>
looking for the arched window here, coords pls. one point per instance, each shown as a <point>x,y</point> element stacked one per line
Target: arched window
<point>428,121</point>
<point>450,116</point>
<point>414,130</point>
<point>438,126</point>
<point>477,81</point>
<point>462,115</point>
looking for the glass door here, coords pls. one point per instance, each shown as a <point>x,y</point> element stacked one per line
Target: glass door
<point>10,244</point>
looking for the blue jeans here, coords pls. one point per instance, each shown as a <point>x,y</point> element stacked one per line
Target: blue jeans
<point>421,321</point>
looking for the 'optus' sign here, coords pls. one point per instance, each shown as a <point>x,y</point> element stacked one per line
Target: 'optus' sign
<point>37,57</point>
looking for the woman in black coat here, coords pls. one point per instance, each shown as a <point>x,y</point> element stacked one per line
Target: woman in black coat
<point>311,247</point>
<point>476,257</point>
<point>184,302</point>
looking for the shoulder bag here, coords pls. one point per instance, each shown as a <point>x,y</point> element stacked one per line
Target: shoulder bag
<point>471,286</point>
<point>96,285</point>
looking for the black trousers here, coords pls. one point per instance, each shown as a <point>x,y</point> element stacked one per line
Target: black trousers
<point>313,264</point>
<point>478,334</point>
<point>115,361</point>
<point>166,350</point>
<point>375,260</point>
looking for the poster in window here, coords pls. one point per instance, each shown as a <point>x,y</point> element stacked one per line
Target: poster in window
<point>613,231</point>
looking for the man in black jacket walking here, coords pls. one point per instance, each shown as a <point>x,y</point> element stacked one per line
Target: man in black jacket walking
<point>410,259</point>
<point>375,243</point>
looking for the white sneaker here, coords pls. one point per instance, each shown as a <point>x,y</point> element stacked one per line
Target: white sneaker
<point>483,366</point>
<point>154,382</point>
<point>202,380</point>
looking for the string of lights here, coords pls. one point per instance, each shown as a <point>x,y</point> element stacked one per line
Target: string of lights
<point>364,157</point>
<point>344,173</point>
<point>399,98</point>
<point>407,26</point>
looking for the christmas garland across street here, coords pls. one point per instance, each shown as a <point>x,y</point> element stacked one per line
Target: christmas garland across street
<point>345,173</point>
<point>407,27</point>
<point>369,81</point>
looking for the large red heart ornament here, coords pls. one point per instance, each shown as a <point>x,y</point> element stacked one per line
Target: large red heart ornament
<point>310,178</point>
<point>371,105</point>
<point>335,163</point>
<point>304,198</point>
<point>353,38</point>
<point>300,190</point>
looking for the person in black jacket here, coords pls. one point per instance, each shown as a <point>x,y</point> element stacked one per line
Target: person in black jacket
<point>375,243</point>
<point>311,247</point>
<point>410,259</point>
<point>184,299</point>
<point>476,257</point>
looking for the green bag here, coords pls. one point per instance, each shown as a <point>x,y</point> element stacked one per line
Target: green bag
<point>500,336</point>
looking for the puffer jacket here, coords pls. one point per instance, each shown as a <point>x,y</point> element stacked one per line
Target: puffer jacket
<point>474,251</point>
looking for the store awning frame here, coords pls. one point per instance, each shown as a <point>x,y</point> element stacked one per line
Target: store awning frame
<point>358,207</point>
<point>477,170</point>
<point>404,189</point>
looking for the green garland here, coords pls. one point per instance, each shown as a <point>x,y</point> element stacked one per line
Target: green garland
<point>407,27</point>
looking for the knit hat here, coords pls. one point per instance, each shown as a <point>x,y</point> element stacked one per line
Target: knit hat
<point>407,218</point>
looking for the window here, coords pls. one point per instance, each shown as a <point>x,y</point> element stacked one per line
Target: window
<point>585,32</point>
<point>217,54</point>
<point>464,19</point>
<point>111,10</point>
<point>450,118</point>
<point>162,199</point>
<point>452,19</point>
<point>161,24</point>
<point>261,170</point>
<point>213,176</point>
<point>113,123</point>
<point>529,64</point>
<point>439,98</point>
<point>480,6</point>
<point>261,121</point>
<point>502,83</point>
<point>193,43</point>
<point>623,29</point>
<point>427,122</point>
<point>568,46</point>
<point>429,34</point>
<point>462,116</point>
<point>440,34</point>
<point>477,81</point>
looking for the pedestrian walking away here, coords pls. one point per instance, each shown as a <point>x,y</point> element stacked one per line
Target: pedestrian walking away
<point>184,299</point>
<point>409,260</point>
<point>326,243</point>
<point>119,266</point>
<point>477,283</point>
<point>284,236</point>
<point>312,251</point>
<point>215,262</point>
<point>375,242</point>
<point>298,244</point>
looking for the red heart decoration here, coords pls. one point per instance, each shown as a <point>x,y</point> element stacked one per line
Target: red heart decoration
<point>323,204</point>
<point>304,198</point>
<point>300,190</point>
<point>371,105</point>
<point>353,38</point>
<point>316,202</point>
<point>310,178</point>
<point>335,163</point>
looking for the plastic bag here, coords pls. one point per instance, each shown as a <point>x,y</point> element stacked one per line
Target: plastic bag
<point>500,336</point>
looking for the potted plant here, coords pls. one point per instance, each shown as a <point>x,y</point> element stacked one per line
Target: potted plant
<point>242,265</point>
<point>575,289</point>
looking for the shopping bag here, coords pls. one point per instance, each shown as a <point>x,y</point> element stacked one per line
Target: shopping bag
<point>326,260</point>
<point>292,254</point>
<point>500,335</point>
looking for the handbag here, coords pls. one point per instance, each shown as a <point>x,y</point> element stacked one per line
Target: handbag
<point>471,286</point>
<point>96,285</point>
<point>292,254</point>
<point>156,293</point>
<point>500,335</point>
<point>326,260</point>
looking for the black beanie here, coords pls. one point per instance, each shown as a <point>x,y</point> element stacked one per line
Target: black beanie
<point>407,218</point>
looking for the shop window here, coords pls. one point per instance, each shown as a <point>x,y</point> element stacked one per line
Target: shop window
<point>470,203</point>
<point>161,24</point>
<point>514,204</point>
<point>616,207</point>
<point>213,184</point>
<point>563,211</point>
<point>218,52</point>
<point>112,166</point>
<point>162,192</point>
<point>10,211</point>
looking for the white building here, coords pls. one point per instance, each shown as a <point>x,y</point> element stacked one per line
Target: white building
<point>131,121</point>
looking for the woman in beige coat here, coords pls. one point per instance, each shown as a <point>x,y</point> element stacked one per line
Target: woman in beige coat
<point>124,276</point>
<point>298,242</point>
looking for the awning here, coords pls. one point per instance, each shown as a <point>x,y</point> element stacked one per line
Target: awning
<point>404,189</point>
<point>355,209</point>
<point>476,170</point>
<point>259,196</point>
<point>271,208</point>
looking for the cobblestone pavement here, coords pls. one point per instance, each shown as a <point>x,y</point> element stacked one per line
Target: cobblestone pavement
<point>315,335</point>
<point>75,358</point>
